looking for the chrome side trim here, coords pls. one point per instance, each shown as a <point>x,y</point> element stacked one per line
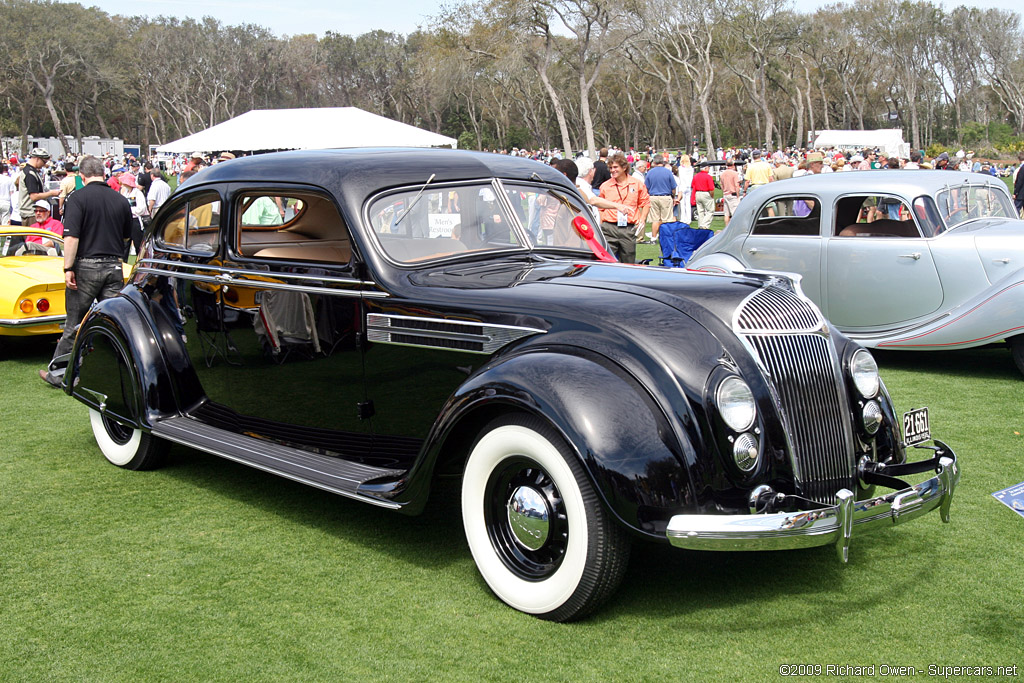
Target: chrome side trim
<point>826,526</point>
<point>263,284</point>
<point>27,322</point>
<point>442,333</point>
<point>244,271</point>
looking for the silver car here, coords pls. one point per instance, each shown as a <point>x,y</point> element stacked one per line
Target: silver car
<point>918,260</point>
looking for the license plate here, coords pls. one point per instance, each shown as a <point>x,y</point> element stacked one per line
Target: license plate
<point>915,427</point>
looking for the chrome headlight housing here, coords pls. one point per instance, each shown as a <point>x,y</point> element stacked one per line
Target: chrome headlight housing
<point>864,372</point>
<point>735,404</point>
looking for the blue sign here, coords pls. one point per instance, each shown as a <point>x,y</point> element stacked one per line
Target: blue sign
<point>1012,497</point>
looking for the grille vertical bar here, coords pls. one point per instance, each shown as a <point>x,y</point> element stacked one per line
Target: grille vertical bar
<point>785,331</point>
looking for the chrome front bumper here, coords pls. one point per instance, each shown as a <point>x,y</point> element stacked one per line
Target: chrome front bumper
<point>824,526</point>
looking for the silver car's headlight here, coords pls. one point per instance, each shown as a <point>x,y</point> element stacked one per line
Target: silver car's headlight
<point>736,404</point>
<point>864,371</point>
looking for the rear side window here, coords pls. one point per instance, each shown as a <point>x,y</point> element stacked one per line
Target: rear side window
<point>874,216</point>
<point>799,216</point>
<point>291,226</point>
<point>194,225</point>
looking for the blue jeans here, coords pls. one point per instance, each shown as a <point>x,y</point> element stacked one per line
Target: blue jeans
<point>97,279</point>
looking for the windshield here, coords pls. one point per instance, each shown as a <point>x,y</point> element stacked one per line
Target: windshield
<point>28,244</point>
<point>425,223</point>
<point>961,203</point>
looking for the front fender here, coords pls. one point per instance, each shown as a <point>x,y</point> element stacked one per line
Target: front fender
<point>624,440</point>
<point>121,365</point>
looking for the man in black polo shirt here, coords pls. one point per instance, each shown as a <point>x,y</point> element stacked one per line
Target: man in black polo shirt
<point>97,222</point>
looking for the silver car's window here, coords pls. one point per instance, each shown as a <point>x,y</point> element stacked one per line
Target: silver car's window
<point>874,216</point>
<point>961,203</point>
<point>799,216</point>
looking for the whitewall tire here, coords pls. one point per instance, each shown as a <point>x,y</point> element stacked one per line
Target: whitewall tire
<point>537,531</point>
<point>126,447</point>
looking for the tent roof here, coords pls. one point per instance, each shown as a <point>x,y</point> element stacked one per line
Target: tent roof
<point>326,128</point>
<point>889,139</point>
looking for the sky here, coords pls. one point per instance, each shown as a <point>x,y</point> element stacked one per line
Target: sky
<point>349,17</point>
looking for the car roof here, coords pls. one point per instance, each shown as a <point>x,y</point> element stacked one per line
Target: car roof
<point>909,184</point>
<point>357,173</point>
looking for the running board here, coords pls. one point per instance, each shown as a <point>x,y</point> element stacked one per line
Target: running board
<point>324,472</point>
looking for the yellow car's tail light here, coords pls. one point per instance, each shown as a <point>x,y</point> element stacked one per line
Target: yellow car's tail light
<point>26,305</point>
<point>42,305</point>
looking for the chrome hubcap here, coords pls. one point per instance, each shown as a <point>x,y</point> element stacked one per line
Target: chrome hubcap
<point>529,517</point>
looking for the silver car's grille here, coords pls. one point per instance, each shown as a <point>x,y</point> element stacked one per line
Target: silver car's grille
<point>788,336</point>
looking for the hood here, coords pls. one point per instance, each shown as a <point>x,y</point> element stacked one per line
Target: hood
<point>698,294</point>
<point>23,272</point>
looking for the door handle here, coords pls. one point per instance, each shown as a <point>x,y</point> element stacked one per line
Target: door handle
<point>916,256</point>
<point>224,277</point>
<point>752,250</point>
<point>1004,261</point>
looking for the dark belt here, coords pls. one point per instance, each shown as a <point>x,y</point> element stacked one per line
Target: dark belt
<point>98,259</point>
<point>627,225</point>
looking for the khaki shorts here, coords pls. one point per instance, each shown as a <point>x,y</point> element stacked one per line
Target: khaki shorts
<point>661,209</point>
<point>729,204</point>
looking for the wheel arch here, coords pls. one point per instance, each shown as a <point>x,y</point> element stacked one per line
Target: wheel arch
<point>129,363</point>
<point>614,427</point>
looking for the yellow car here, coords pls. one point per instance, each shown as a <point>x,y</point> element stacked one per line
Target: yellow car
<point>31,282</point>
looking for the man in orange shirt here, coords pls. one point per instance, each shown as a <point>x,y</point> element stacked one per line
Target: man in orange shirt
<point>621,228</point>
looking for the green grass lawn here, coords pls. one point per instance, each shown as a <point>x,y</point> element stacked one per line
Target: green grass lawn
<point>207,570</point>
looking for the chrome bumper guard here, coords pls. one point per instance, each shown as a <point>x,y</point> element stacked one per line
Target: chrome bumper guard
<point>824,526</point>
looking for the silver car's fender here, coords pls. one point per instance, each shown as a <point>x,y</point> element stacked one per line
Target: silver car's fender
<point>716,263</point>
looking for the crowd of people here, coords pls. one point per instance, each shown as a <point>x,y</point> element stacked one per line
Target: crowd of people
<point>628,188</point>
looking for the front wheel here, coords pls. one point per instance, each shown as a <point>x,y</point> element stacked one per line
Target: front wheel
<point>1017,349</point>
<point>127,447</point>
<point>535,526</point>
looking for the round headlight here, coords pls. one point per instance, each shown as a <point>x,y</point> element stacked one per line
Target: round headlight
<point>865,373</point>
<point>744,452</point>
<point>736,404</point>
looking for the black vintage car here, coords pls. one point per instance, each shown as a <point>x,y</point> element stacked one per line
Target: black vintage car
<point>364,321</point>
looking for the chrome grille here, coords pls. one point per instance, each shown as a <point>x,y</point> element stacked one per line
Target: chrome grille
<point>788,336</point>
<point>774,309</point>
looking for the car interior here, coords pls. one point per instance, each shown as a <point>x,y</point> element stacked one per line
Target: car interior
<point>874,216</point>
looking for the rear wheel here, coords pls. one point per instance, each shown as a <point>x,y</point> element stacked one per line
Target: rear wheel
<point>535,526</point>
<point>126,447</point>
<point>1017,349</point>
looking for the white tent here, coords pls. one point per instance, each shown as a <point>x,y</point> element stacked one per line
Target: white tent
<point>327,128</point>
<point>887,140</point>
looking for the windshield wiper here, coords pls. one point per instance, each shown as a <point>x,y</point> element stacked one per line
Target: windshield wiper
<point>414,200</point>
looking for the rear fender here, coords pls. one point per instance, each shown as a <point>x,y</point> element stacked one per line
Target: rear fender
<point>627,446</point>
<point>122,365</point>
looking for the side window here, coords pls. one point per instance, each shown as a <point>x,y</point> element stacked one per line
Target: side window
<point>420,225</point>
<point>195,225</point>
<point>874,216</point>
<point>799,216</point>
<point>291,226</point>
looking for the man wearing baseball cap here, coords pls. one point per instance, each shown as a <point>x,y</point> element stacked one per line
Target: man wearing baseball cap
<point>45,221</point>
<point>30,189</point>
